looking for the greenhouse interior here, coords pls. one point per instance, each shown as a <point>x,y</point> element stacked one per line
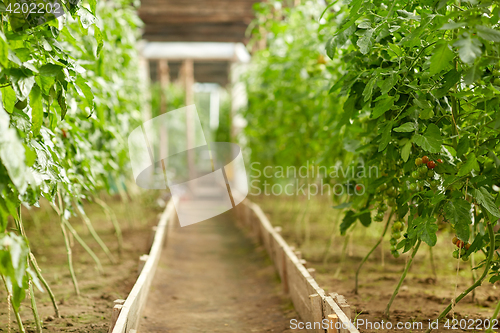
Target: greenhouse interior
<point>326,166</point>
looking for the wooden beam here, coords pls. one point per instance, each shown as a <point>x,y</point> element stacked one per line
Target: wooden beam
<point>131,311</point>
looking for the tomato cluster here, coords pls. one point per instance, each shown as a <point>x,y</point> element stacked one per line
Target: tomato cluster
<point>397,228</point>
<point>425,170</point>
<point>462,248</point>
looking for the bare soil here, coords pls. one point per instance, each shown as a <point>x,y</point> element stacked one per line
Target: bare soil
<point>424,295</point>
<point>91,311</point>
<point>211,278</point>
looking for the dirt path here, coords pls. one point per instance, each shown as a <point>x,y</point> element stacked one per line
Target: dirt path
<point>212,279</point>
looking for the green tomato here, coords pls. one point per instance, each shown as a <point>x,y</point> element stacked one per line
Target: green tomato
<point>496,81</point>
<point>422,170</point>
<point>391,191</point>
<point>465,258</point>
<point>396,235</point>
<point>455,254</point>
<point>383,187</point>
<point>434,183</point>
<point>383,207</point>
<point>393,241</point>
<point>415,175</point>
<point>392,202</point>
<point>413,187</point>
<point>395,254</point>
<point>397,226</point>
<point>379,217</point>
<point>430,173</point>
<point>21,105</point>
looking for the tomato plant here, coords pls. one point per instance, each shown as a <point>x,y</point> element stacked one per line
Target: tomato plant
<point>420,76</point>
<point>69,97</point>
<point>414,91</point>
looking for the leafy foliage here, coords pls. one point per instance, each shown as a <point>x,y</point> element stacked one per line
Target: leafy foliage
<point>69,97</point>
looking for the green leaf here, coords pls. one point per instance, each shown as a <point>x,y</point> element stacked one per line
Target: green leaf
<point>441,58</point>
<point>463,146</point>
<point>449,80</point>
<point>426,229</point>
<point>86,17</point>
<point>349,219</point>
<point>12,152</point>
<point>457,212</point>
<point>61,100</point>
<point>99,38</point>
<point>469,165</point>
<point>85,90</point>
<point>365,219</point>
<point>50,70</point>
<point>405,152</point>
<point>387,84</point>
<point>93,5</point>
<point>406,128</point>
<point>489,34</point>
<point>431,141</point>
<point>365,42</point>
<point>4,53</point>
<point>21,84</point>
<point>36,110</point>
<point>343,205</point>
<point>485,199</point>
<point>8,99</point>
<point>468,48</point>
<point>386,137</point>
<point>367,92</point>
<point>472,74</point>
<point>382,106</point>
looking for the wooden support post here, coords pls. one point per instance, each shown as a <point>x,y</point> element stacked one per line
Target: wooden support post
<point>303,262</point>
<point>142,262</point>
<point>188,69</point>
<point>332,322</point>
<point>117,308</point>
<point>163,72</point>
<point>284,278</point>
<point>342,303</point>
<point>152,237</point>
<point>317,311</point>
<point>298,254</point>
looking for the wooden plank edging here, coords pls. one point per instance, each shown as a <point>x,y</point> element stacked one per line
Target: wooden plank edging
<point>297,279</point>
<point>131,310</point>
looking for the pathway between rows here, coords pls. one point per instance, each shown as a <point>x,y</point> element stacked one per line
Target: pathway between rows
<point>211,278</point>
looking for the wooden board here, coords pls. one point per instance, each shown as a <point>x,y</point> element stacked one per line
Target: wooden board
<point>131,310</point>
<point>309,300</point>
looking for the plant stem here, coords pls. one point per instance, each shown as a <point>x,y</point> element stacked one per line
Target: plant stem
<point>38,272</point>
<point>407,268</point>
<point>94,234</point>
<point>342,257</point>
<point>34,309</point>
<point>110,214</point>
<point>493,317</point>
<point>478,281</point>
<point>16,311</point>
<point>38,322</point>
<point>84,245</point>
<point>433,265</point>
<point>68,248</point>
<point>70,257</point>
<point>356,279</point>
